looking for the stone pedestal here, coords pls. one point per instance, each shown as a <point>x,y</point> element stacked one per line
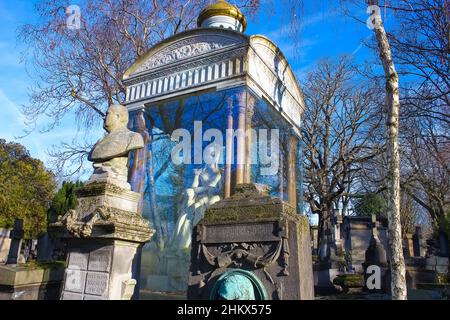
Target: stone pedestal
<point>257,239</point>
<point>39,281</point>
<point>103,235</point>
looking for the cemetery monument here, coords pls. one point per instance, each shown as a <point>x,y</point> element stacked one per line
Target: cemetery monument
<point>105,231</point>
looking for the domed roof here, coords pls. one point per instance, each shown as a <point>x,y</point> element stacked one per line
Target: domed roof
<point>222,8</point>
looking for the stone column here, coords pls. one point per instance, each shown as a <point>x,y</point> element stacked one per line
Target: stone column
<point>291,170</point>
<point>229,148</point>
<point>240,161</point>
<point>280,175</point>
<point>408,245</point>
<point>337,221</point>
<point>248,137</point>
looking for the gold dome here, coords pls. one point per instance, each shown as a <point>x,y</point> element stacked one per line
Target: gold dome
<point>222,8</point>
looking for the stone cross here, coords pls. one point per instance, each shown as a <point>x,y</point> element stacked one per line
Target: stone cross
<point>16,242</point>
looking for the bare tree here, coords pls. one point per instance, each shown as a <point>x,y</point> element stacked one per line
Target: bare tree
<point>337,130</point>
<point>79,71</point>
<point>427,173</point>
<point>421,48</point>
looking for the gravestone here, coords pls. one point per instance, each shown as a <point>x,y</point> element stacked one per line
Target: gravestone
<point>44,248</point>
<point>375,255</point>
<point>418,246</point>
<point>255,237</point>
<point>16,236</point>
<point>357,235</point>
<point>443,244</point>
<point>336,250</point>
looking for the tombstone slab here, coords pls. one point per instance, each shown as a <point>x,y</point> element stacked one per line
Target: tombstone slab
<point>253,236</point>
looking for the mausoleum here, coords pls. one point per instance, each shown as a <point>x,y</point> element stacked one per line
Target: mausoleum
<point>217,108</point>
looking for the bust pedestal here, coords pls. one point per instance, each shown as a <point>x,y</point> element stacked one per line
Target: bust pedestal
<point>103,234</point>
<point>254,236</point>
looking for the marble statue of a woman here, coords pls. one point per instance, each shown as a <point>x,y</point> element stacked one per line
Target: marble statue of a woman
<point>203,192</point>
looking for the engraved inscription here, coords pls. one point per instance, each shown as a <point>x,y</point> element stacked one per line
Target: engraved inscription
<point>74,280</point>
<point>71,296</point>
<point>240,233</point>
<point>96,283</point>
<point>88,297</point>
<point>99,260</point>
<point>78,260</point>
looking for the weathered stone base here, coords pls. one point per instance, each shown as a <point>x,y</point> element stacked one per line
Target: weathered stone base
<point>25,283</point>
<point>104,235</point>
<point>324,276</point>
<point>99,269</point>
<point>254,237</point>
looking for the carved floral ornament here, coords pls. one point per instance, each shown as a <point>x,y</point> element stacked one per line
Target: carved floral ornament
<point>238,254</point>
<point>186,48</point>
<point>82,227</point>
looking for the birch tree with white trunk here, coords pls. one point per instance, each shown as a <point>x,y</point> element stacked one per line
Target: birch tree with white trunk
<point>397,262</point>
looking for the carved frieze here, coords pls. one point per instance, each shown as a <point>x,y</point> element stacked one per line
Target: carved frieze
<point>186,48</point>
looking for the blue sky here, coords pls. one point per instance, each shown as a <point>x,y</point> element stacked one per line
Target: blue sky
<point>325,32</point>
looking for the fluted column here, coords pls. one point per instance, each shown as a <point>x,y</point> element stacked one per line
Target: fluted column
<point>240,161</point>
<point>281,174</point>
<point>250,102</point>
<point>229,148</point>
<point>291,172</point>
